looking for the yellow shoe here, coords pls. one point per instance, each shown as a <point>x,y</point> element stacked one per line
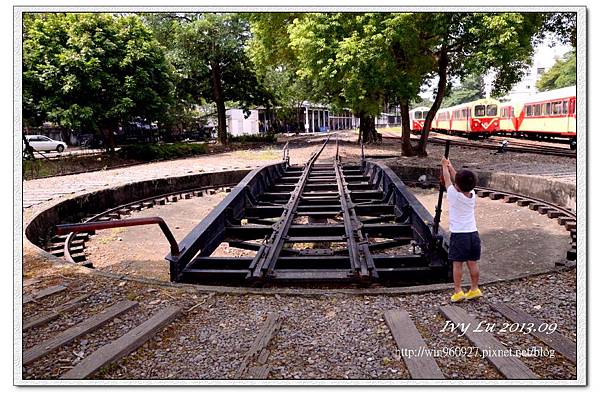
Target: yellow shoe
<point>473,294</point>
<point>456,297</point>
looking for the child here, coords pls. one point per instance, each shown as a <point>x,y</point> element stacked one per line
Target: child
<point>464,238</point>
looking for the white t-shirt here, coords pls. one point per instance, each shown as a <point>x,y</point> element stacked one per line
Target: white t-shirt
<point>462,211</point>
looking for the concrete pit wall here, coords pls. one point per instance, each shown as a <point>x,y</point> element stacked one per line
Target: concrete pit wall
<point>557,192</point>
<point>74,209</point>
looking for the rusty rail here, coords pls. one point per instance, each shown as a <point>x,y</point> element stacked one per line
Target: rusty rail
<point>133,222</point>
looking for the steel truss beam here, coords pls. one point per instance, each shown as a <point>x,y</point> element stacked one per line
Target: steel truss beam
<point>356,214</point>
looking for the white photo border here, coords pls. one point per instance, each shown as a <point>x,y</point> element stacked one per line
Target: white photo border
<point>582,135</point>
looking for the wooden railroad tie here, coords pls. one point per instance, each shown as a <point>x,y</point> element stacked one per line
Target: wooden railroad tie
<point>76,331</point>
<point>43,319</point>
<point>554,340</point>
<point>258,351</point>
<point>509,366</point>
<point>496,195</point>
<point>524,202</point>
<point>554,213</point>
<point>43,293</point>
<point>408,338</point>
<point>571,226</point>
<point>123,346</point>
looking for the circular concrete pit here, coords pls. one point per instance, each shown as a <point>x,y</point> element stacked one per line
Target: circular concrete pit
<point>515,240</point>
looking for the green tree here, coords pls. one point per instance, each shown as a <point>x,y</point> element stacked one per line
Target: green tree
<point>276,63</point>
<point>358,61</point>
<point>470,88</point>
<point>209,53</point>
<point>562,74</point>
<point>476,43</point>
<point>93,71</point>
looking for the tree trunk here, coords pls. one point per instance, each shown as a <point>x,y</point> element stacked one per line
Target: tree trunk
<point>220,102</point>
<point>109,138</point>
<point>28,148</point>
<point>441,90</point>
<point>407,149</point>
<point>366,130</point>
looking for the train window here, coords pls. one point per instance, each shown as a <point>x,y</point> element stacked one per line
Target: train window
<point>418,114</point>
<point>492,110</point>
<point>528,110</point>
<point>565,107</point>
<point>464,113</point>
<point>479,110</point>
<point>547,109</point>
<point>425,114</point>
<point>556,108</point>
<point>537,110</point>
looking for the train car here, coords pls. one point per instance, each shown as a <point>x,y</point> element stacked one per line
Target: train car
<point>417,118</point>
<point>508,121</point>
<point>548,114</point>
<point>474,119</point>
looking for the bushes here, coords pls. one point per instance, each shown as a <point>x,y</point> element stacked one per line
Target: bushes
<point>268,138</point>
<point>148,152</point>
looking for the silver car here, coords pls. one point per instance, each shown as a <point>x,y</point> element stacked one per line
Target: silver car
<point>43,143</point>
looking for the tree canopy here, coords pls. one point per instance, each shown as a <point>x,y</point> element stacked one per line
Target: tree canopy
<point>93,71</point>
<point>97,71</point>
<point>208,51</point>
<point>469,89</point>
<point>562,74</point>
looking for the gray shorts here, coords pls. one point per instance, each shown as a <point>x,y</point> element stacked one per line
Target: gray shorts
<point>464,246</point>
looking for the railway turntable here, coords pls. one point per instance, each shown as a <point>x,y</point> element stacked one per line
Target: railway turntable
<point>320,222</point>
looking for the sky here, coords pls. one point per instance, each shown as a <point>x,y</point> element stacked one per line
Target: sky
<point>545,56</point>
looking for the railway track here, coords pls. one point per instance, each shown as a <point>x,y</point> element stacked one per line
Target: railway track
<point>511,147</point>
<point>155,331</point>
<point>96,347</point>
<point>316,223</point>
<point>319,206</point>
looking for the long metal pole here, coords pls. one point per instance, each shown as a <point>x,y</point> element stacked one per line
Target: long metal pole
<point>438,208</point>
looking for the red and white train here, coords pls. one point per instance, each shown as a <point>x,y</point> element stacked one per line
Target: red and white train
<point>548,114</point>
<point>543,115</point>
<point>477,118</point>
<point>417,118</point>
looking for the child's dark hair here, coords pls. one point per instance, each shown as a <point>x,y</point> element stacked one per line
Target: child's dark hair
<point>465,180</point>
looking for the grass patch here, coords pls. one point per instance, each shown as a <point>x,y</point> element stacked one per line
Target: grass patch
<point>148,152</point>
<point>40,168</point>
<point>261,154</point>
<point>268,138</point>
